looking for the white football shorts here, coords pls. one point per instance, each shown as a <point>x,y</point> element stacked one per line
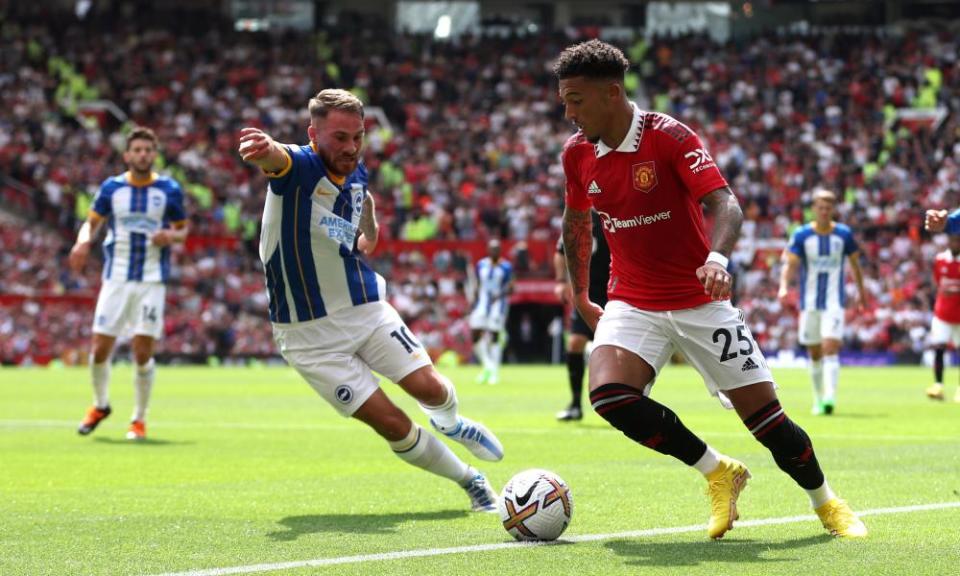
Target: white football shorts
<point>713,338</point>
<point>942,332</point>
<point>815,326</point>
<point>337,354</point>
<point>492,320</point>
<point>134,306</point>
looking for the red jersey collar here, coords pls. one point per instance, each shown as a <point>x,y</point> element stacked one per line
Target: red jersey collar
<point>631,142</point>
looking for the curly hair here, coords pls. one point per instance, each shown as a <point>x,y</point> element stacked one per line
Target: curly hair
<point>591,59</point>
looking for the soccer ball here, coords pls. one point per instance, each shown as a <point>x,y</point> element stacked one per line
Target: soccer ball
<point>536,505</point>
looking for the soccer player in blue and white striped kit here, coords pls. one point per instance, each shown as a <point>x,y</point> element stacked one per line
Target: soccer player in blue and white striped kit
<point>144,214</point>
<point>818,249</point>
<point>494,283</point>
<point>328,308</point>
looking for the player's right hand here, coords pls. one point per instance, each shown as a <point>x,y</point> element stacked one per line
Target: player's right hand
<point>255,144</point>
<point>78,257</point>
<point>936,220</point>
<point>589,311</point>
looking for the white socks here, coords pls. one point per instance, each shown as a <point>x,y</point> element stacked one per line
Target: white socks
<point>708,462</point>
<point>820,496</point>
<point>444,416</point>
<point>816,375</point>
<point>100,375</point>
<point>142,385</point>
<point>482,349</point>
<point>831,374</point>
<point>424,450</point>
<point>496,355</point>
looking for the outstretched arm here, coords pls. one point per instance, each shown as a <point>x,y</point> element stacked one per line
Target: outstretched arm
<point>259,149</point>
<point>728,218</point>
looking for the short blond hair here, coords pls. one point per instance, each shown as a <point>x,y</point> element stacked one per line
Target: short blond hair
<point>824,194</point>
<point>334,99</point>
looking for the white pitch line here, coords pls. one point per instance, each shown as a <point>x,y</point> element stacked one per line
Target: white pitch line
<point>14,424</point>
<point>423,553</point>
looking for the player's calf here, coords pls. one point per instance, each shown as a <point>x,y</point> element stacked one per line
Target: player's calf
<point>789,444</point>
<point>647,422</point>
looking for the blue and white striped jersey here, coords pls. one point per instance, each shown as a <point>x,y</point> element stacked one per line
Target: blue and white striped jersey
<point>821,265</point>
<point>134,212</point>
<point>308,241</point>
<point>492,282</point>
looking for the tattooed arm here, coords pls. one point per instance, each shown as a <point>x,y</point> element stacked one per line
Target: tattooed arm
<point>728,217</point>
<point>577,248</point>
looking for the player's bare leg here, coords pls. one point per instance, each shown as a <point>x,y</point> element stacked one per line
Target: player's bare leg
<point>145,371</point>
<point>101,348</point>
<point>617,381</point>
<point>438,399</point>
<point>418,447</point>
<point>758,407</point>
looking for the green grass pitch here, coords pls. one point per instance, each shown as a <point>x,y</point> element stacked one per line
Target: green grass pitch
<point>247,466</point>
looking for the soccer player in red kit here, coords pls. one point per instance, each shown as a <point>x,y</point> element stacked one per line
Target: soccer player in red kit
<point>946,312</point>
<point>650,177</point>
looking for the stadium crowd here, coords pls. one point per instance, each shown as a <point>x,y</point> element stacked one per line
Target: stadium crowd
<point>466,148</point>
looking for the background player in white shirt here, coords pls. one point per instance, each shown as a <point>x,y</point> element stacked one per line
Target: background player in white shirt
<point>493,280</point>
<point>818,250</point>
<point>330,318</point>
<point>144,214</point>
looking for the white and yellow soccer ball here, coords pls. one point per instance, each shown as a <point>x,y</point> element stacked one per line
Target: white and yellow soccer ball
<point>536,505</point>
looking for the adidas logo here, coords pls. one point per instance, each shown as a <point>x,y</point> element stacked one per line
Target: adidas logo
<point>593,188</point>
<point>749,365</point>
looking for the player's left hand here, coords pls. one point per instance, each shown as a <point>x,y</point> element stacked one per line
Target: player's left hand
<point>716,281</point>
<point>162,238</point>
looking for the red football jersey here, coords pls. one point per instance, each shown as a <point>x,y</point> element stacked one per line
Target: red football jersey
<point>946,273</point>
<point>647,193</point>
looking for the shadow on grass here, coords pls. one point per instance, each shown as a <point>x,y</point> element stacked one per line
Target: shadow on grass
<point>660,553</point>
<point>146,442</point>
<point>297,526</point>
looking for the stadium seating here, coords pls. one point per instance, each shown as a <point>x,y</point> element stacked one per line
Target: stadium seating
<point>466,148</point>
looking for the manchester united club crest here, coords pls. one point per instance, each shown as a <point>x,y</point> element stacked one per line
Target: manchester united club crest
<point>644,176</point>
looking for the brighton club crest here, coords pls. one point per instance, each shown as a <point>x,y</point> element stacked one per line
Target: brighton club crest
<point>644,176</point>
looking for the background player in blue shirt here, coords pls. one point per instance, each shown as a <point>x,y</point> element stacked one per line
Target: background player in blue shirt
<point>819,249</point>
<point>144,215</point>
<point>493,281</point>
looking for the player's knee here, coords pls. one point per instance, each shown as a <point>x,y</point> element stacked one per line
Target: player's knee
<point>101,352</point>
<point>576,344</point>
<point>393,427</point>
